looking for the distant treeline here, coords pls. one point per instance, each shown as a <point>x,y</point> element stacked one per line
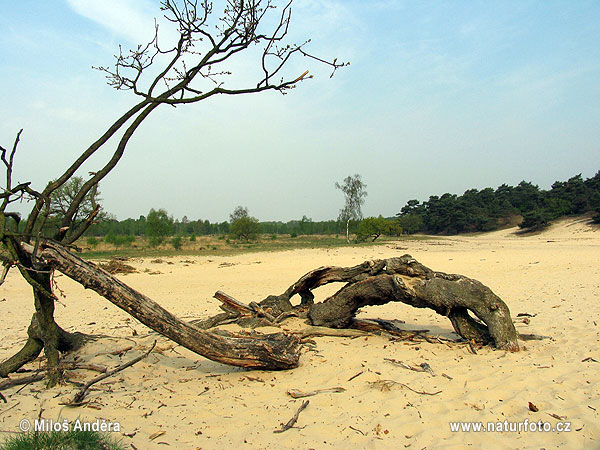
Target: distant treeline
<point>490,209</point>
<point>475,210</point>
<point>137,227</point>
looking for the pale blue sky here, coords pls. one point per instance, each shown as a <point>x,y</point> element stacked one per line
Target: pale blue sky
<point>439,97</point>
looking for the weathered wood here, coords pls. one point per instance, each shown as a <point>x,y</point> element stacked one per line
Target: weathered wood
<point>10,382</point>
<point>405,280</point>
<point>269,351</point>
<point>231,304</point>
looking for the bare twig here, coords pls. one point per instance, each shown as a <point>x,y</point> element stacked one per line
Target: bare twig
<point>357,430</point>
<point>19,381</point>
<point>397,362</point>
<point>77,400</point>
<point>296,393</point>
<point>354,376</point>
<point>232,304</point>
<point>532,337</point>
<point>93,367</point>
<point>294,419</point>
<point>387,384</point>
<point>9,408</point>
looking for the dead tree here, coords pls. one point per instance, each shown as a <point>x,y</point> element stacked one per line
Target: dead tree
<point>378,282</point>
<point>193,69</point>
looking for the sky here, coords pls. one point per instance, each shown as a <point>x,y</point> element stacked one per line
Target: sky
<point>440,96</point>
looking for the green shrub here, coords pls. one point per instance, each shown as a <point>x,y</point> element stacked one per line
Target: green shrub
<point>177,242</point>
<point>193,238</point>
<point>92,242</point>
<point>373,227</point>
<point>119,240</point>
<point>155,241</point>
<point>535,220</point>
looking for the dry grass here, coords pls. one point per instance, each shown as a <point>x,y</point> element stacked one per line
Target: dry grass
<point>222,246</point>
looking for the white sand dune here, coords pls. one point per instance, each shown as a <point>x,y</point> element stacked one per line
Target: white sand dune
<point>554,276</point>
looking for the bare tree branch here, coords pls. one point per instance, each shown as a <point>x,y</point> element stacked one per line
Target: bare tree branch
<point>190,69</point>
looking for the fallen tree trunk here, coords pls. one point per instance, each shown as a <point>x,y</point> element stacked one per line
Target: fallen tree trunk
<point>405,280</point>
<point>275,351</point>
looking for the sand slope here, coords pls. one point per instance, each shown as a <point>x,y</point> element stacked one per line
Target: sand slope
<point>554,275</point>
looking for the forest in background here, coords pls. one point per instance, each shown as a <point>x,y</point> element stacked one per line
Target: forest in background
<point>474,211</point>
<point>489,209</point>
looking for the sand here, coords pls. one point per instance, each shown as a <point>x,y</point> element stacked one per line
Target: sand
<point>178,399</point>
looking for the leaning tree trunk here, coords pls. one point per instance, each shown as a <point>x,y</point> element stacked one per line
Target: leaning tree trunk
<point>271,351</point>
<point>43,332</point>
<point>405,280</point>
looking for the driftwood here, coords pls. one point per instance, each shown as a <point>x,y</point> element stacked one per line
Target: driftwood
<point>258,351</point>
<point>378,282</point>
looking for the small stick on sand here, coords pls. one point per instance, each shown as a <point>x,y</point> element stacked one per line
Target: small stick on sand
<point>357,430</point>
<point>93,367</point>
<point>294,419</point>
<point>397,362</point>
<point>354,376</point>
<point>296,393</point>
<point>532,337</point>
<point>18,381</point>
<point>77,400</point>
<point>385,385</point>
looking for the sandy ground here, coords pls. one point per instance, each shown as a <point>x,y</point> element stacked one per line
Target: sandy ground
<point>176,398</point>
